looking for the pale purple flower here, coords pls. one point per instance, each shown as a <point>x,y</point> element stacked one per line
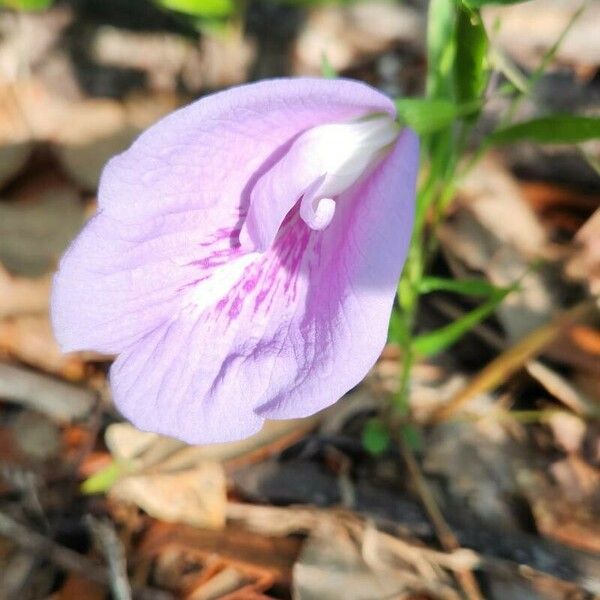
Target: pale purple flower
<point>245,257</point>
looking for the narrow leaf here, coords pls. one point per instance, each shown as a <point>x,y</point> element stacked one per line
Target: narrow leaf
<point>375,437</point>
<point>104,479</point>
<point>26,4</point>
<point>440,47</point>
<point>468,287</point>
<point>428,116</point>
<point>553,129</point>
<point>480,3</point>
<point>201,8</point>
<point>440,339</point>
<point>470,67</point>
<point>397,333</point>
<point>327,71</point>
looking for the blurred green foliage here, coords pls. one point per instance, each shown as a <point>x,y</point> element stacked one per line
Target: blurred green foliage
<point>375,437</point>
<point>470,64</point>
<point>551,129</point>
<point>210,9</point>
<point>26,5</point>
<point>460,61</point>
<point>431,115</point>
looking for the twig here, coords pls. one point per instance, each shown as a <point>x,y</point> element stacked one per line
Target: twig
<point>553,382</point>
<point>106,538</point>
<point>59,400</point>
<point>67,559</point>
<point>63,557</point>
<point>448,540</point>
<point>511,360</point>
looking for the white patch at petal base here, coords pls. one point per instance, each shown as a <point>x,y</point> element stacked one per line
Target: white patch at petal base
<point>207,292</point>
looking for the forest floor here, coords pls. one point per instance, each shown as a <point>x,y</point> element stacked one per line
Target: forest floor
<point>496,494</point>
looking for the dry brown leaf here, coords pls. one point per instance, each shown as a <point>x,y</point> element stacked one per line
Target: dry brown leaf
<point>348,34</point>
<point>184,553</point>
<point>36,436</point>
<point>212,62</point>
<point>567,510</point>
<point>94,131</point>
<point>22,295</point>
<point>32,111</point>
<point>568,430</point>
<point>562,389</point>
<point>493,196</point>
<point>586,263</point>
<point>16,133</point>
<point>148,450</point>
<point>97,129</point>
<point>161,56</point>
<point>360,562</point>
<point>196,497</point>
<point>42,217</point>
<point>30,339</point>
<point>26,38</point>
<point>476,464</point>
<point>76,587</point>
<point>224,61</point>
<point>223,583</point>
<point>560,208</point>
<point>496,232</point>
<point>13,157</point>
<point>576,347</point>
<point>527,44</point>
<point>180,483</point>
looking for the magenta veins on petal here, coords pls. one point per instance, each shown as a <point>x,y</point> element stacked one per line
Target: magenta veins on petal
<point>244,258</point>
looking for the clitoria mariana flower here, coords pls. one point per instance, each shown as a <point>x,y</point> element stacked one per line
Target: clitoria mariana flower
<point>244,257</point>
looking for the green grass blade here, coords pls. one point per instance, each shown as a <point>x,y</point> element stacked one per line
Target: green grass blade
<point>208,9</point>
<point>27,5</point>
<point>428,116</point>
<point>468,287</point>
<point>442,338</point>
<point>470,65</point>
<point>552,129</point>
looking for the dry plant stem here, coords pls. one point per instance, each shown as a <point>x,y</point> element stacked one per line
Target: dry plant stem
<point>59,400</point>
<point>448,540</point>
<point>38,544</point>
<point>574,401</point>
<point>511,360</point>
<point>106,538</point>
<point>65,557</point>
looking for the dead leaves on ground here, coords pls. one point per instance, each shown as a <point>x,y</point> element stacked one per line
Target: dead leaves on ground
<point>526,436</point>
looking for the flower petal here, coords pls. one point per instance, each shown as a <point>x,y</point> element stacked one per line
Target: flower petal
<point>117,282</point>
<point>304,323</point>
<point>171,206</point>
<point>208,154</point>
<point>343,326</point>
<point>321,163</point>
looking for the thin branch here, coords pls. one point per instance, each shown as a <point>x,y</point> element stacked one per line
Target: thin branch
<point>448,540</point>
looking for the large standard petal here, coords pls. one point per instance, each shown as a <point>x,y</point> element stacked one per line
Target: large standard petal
<point>171,206</point>
<point>209,154</point>
<point>304,323</point>
<point>343,326</point>
<point>118,281</point>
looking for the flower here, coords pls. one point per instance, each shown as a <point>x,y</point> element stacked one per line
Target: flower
<point>244,257</point>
